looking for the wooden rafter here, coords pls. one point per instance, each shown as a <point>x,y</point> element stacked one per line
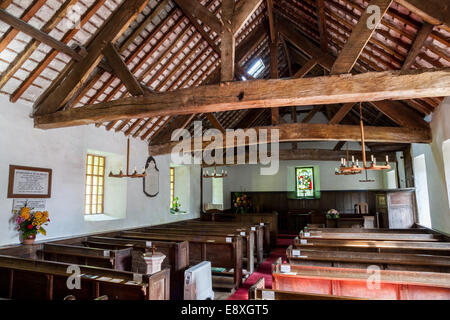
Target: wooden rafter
<point>243,12</point>
<point>417,45</point>
<point>194,8</point>
<point>121,70</point>
<point>322,25</point>
<point>435,12</point>
<point>342,112</point>
<point>109,32</point>
<point>371,86</point>
<point>359,38</point>
<point>216,124</point>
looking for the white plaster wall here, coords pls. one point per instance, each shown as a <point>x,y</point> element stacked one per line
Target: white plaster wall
<point>437,186</point>
<point>64,151</point>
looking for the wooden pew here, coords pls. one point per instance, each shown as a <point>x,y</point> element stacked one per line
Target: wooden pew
<point>262,237</point>
<point>259,292</point>
<point>431,248</point>
<point>27,279</point>
<point>359,230</point>
<point>396,285</point>
<point>371,236</point>
<point>387,261</point>
<point>223,252</point>
<point>118,259</point>
<point>248,238</point>
<point>270,219</point>
<point>176,252</point>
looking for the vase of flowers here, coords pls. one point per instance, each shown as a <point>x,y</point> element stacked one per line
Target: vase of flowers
<point>242,203</point>
<point>30,222</point>
<point>333,214</point>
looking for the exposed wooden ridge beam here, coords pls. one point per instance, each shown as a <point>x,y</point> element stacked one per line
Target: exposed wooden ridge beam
<point>121,70</point>
<point>243,12</point>
<point>78,74</point>
<point>194,8</point>
<point>297,132</point>
<point>342,112</point>
<point>38,34</point>
<point>228,44</point>
<point>371,86</point>
<point>216,124</point>
<point>359,38</point>
<point>435,12</point>
<point>417,45</point>
<point>308,154</point>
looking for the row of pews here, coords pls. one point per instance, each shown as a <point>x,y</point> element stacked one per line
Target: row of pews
<point>112,264</point>
<point>335,263</point>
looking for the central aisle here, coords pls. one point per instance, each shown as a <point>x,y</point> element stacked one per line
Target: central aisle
<point>264,270</point>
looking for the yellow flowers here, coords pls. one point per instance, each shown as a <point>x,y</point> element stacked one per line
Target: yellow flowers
<point>25,213</point>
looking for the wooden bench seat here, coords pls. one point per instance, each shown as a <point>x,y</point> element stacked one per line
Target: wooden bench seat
<point>176,252</point>
<point>396,285</point>
<point>432,248</point>
<point>223,252</point>
<point>388,261</point>
<point>259,292</point>
<point>363,230</point>
<point>27,279</point>
<point>371,236</point>
<point>118,259</point>
<point>248,239</point>
<point>262,237</point>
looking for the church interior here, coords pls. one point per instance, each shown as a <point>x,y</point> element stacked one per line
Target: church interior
<point>224,150</point>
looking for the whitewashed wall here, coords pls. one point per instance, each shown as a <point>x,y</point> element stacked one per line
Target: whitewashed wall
<point>64,151</point>
<point>438,192</point>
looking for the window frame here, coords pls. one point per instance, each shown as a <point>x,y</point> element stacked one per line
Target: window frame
<point>313,183</point>
<point>172,185</point>
<point>99,188</point>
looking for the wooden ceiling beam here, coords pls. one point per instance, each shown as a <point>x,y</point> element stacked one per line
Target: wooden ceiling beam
<point>29,13</point>
<point>78,74</point>
<point>342,112</point>
<point>29,49</point>
<point>305,69</point>
<point>244,10</point>
<point>37,34</point>
<point>298,132</point>
<point>228,43</point>
<point>270,14</point>
<point>216,124</point>
<point>371,86</point>
<point>121,70</point>
<point>322,25</point>
<point>417,45</point>
<point>435,12</point>
<point>359,38</point>
<point>194,8</point>
<point>52,55</point>
<point>401,114</point>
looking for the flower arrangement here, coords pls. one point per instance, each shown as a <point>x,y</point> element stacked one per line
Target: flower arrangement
<point>176,205</point>
<point>30,222</point>
<point>333,214</point>
<point>242,203</point>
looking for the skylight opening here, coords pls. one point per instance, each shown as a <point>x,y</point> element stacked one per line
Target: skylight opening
<point>256,68</point>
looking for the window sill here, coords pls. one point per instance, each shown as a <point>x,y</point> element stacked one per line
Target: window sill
<point>99,217</point>
<point>178,213</point>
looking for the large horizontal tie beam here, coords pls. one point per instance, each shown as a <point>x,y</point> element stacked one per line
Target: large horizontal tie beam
<point>297,132</point>
<point>371,86</point>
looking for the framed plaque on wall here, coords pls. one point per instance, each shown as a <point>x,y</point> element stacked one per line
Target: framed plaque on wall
<point>29,182</point>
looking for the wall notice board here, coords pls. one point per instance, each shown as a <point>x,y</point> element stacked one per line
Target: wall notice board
<point>29,182</point>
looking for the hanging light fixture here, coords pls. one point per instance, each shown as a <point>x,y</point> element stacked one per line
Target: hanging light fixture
<point>353,167</point>
<point>214,174</point>
<point>134,174</point>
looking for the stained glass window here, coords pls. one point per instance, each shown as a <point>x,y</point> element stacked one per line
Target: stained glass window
<point>304,182</point>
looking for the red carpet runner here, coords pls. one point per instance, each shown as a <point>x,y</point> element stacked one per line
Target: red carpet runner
<point>264,270</point>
